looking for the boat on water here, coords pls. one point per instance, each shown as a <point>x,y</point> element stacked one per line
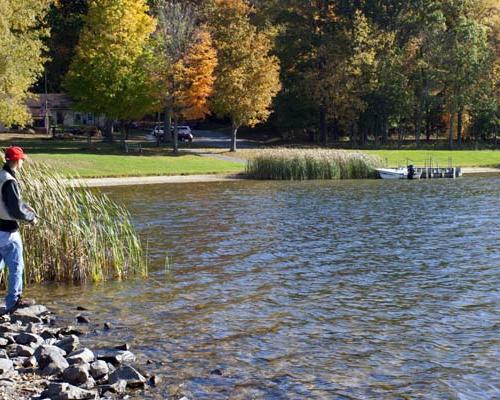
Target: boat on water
<point>393,173</point>
<point>408,172</point>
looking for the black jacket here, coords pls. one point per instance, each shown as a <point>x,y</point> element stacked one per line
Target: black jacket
<point>11,196</point>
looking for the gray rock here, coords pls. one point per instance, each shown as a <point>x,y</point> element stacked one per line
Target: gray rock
<point>6,366</point>
<point>70,330</point>
<point>33,328</point>
<point>119,387</point>
<point>82,319</point>
<point>116,357</point>
<point>25,317</point>
<point>50,342</point>
<point>154,380</point>
<point>65,391</point>
<point>24,351</point>
<point>3,353</point>
<point>6,382</point>
<point>3,342</point>
<point>49,333</point>
<point>19,361</point>
<point>10,336</point>
<point>31,362</point>
<point>82,355</point>
<point>98,369</point>
<point>37,310</point>
<point>77,374</point>
<point>90,384</point>
<point>133,378</point>
<point>51,360</point>
<point>25,338</point>
<point>68,344</point>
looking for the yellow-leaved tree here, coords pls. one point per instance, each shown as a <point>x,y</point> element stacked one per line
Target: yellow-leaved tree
<point>21,59</point>
<point>247,75</point>
<point>108,75</point>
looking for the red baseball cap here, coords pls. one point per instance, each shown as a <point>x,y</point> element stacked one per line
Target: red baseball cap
<point>14,153</point>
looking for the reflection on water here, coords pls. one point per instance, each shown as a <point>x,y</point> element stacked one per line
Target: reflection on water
<point>317,290</point>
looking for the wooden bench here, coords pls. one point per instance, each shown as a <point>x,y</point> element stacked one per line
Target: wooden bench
<point>130,147</point>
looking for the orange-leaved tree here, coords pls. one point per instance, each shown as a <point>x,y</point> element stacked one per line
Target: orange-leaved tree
<point>185,69</point>
<point>195,75</point>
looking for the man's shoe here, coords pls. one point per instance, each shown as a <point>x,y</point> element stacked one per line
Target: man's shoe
<point>21,303</point>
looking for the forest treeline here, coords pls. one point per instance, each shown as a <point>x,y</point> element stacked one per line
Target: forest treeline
<point>362,70</point>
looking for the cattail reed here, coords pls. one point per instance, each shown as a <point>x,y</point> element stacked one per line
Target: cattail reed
<point>81,236</point>
<point>293,164</point>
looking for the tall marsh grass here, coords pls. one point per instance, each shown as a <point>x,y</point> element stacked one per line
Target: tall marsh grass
<point>296,164</point>
<point>81,235</point>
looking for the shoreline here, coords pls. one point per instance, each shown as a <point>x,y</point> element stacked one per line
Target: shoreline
<point>39,359</point>
<point>152,180</point>
<point>162,179</point>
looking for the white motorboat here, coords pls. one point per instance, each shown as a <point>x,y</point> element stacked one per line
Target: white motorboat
<point>393,173</point>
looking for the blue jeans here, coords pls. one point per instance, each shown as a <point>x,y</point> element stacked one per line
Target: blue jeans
<point>11,253</point>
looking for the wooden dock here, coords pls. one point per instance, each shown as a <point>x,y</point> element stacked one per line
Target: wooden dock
<point>436,173</point>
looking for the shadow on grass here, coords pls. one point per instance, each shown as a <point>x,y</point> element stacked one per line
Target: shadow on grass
<point>40,144</point>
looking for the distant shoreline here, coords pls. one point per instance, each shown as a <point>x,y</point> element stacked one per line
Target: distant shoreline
<point>152,180</point>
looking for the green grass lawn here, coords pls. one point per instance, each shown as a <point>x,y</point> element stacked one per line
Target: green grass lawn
<point>459,158</point>
<point>73,157</point>
<point>92,165</point>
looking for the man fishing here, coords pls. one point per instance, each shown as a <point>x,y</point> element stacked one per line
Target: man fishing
<point>13,210</point>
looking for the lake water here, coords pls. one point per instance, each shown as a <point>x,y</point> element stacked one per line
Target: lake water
<point>310,290</point>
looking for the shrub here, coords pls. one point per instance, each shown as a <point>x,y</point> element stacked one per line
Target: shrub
<point>82,235</point>
<point>292,164</point>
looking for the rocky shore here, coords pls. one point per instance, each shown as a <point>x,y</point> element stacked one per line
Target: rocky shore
<point>39,360</point>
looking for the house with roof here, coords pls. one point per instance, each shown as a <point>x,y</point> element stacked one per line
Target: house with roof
<point>58,109</point>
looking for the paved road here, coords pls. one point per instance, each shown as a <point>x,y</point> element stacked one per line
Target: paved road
<point>212,139</point>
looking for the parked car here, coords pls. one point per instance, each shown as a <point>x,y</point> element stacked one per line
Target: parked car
<point>184,133</point>
<point>157,130</point>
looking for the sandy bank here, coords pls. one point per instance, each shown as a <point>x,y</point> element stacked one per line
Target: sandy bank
<point>151,180</point>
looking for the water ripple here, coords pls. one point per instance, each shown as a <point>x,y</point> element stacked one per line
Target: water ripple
<point>318,290</point>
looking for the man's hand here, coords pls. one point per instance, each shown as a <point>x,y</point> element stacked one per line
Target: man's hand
<point>34,221</point>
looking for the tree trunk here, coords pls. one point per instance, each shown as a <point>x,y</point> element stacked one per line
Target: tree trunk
<point>496,134</point>
<point>354,134</point>
<point>322,125</point>
<point>108,130</point>
<point>234,132</point>
<point>427,128</point>
<point>127,130</point>
<point>450,134</point>
<point>175,142</point>
<point>459,127</point>
<point>122,131</point>
<point>385,130</point>
<point>167,124</point>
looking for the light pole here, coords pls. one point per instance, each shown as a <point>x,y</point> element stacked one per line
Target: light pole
<point>46,117</point>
